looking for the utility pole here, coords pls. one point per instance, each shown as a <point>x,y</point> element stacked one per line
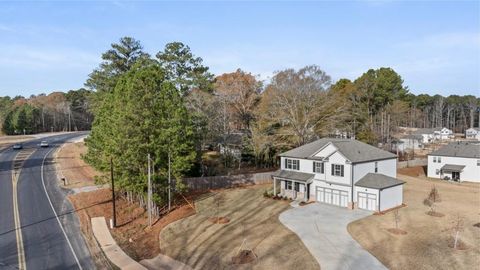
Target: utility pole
<point>149,199</point>
<point>113,194</point>
<point>169,182</point>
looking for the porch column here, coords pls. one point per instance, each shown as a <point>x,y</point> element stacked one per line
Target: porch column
<point>274,186</point>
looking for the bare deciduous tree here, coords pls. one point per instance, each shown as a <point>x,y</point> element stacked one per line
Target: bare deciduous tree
<point>396,217</point>
<point>458,226</point>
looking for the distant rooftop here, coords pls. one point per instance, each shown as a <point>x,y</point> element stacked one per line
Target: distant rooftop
<point>353,150</point>
<point>459,149</point>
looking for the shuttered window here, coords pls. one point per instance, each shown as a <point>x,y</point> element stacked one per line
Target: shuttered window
<point>292,164</point>
<point>337,170</point>
<point>318,167</point>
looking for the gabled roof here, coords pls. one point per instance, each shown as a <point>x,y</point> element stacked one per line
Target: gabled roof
<point>459,149</point>
<point>299,176</point>
<point>378,181</point>
<point>353,150</point>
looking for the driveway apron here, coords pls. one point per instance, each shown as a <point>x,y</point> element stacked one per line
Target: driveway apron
<point>323,230</point>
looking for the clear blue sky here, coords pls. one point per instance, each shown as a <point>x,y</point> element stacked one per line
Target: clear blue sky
<point>434,46</point>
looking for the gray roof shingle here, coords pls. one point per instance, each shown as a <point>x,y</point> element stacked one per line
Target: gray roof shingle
<point>353,150</point>
<point>459,149</point>
<point>378,181</point>
<point>452,168</point>
<point>299,176</point>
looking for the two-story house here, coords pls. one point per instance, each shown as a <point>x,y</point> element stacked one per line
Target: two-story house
<point>458,161</point>
<point>430,135</point>
<point>472,134</point>
<point>342,172</point>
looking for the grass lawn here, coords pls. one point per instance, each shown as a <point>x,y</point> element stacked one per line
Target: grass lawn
<point>202,244</point>
<point>426,244</point>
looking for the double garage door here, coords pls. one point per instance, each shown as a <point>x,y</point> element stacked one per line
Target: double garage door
<point>367,201</point>
<point>332,196</point>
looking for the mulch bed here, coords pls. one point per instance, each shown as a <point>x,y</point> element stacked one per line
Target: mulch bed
<point>305,203</point>
<point>397,231</point>
<point>244,256</point>
<point>219,220</point>
<point>435,214</point>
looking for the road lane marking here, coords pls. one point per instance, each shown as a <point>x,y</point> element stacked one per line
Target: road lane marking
<point>55,212</point>
<point>17,168</point>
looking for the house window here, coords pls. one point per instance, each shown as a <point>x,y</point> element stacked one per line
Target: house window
<point>288,185</point>
<point>318,167</point>
<point>292,164</point>
<point>437,172</point>
<point>297,187</point>
<point>439,159</point>
<point>376,167</point>
<point>337,170</point>
<point>478,162</point>
<point>434,159</point>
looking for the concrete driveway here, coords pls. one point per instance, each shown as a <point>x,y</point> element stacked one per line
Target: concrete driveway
<point>323,230</point>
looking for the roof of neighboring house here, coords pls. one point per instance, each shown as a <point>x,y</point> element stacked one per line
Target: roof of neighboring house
<point>459,149</point>
<point>412,137</point>
<point>353,150</point>
<point>421,131</point>
<point>452,168</point>
<point>299,176</point>
<point>232,139</point>
<point>474,128</point>
<point>378,181</point>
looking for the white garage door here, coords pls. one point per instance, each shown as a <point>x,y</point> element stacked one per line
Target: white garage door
<point>332,196</point>
<point>367,201</point>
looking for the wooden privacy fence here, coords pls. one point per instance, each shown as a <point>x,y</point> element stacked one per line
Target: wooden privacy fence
<point>227,181</point>
<point>412,163</point>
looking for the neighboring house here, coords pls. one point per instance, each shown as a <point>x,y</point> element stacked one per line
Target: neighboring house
<point>231,144</point>
<point>408,142</point>
<point>472,134</point>
<point>459,161</point>
<point>430,135</point>
<point>342,172</point>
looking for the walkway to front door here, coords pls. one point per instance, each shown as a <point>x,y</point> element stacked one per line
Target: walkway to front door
<point>323,230</point>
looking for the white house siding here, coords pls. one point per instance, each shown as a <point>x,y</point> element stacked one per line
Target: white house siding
<point>411,144</point>
<point>470,173</point>
<point>391,197</point>
<point>337,158</point>
<point>386,166</point>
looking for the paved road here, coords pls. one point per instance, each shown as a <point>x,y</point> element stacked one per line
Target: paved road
<point>49,228</point>
<point>323,230</point>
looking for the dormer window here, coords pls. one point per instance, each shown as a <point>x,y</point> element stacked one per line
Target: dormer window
<point>292,164</point>
<point>376,167</point>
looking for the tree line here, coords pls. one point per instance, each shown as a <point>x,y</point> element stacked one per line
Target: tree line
<point>170,106</point>
<point>57,111</point>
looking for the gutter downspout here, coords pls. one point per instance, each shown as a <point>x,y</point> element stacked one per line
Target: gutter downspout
<point>353,204</point>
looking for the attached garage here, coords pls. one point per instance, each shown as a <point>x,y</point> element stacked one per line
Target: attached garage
<point>332,196</point>
<point>378,192</point>
<point>367,201</point>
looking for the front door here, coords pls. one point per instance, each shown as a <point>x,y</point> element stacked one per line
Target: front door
<point>456,176</point>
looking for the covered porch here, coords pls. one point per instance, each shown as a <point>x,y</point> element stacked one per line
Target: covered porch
<point>294,185</point>
<point>452,171</point>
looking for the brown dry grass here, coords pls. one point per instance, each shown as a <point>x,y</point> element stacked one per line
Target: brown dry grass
<point>71,166</point>
<point>426,244</point>
<point>203,245</point>
<point>132,232</point>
